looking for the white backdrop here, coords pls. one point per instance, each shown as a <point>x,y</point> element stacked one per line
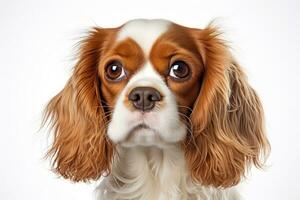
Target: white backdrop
<point>36,48</point>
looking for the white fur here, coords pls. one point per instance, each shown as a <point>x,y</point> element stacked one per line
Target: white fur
<point>144,32</point>
<point>149,163</point>
<point>150,173</point>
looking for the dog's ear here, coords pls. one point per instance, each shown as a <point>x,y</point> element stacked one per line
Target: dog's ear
<point>81,150</point>
<point>227,118</point>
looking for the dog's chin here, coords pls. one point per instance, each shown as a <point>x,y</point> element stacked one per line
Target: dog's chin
<point>143,135</point>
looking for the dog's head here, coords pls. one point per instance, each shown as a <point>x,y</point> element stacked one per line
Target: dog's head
<point>156,83</point>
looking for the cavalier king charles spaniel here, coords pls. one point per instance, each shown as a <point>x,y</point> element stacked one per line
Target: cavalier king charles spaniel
<point>161,111</point>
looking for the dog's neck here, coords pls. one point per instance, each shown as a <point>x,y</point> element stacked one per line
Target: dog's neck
<point>150,173</point>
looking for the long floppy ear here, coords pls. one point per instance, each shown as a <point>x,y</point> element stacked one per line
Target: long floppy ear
<point>227,118</point>
<point>81,151</point>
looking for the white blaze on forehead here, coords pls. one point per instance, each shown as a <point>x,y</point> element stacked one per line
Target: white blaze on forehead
<point>146,76</point>
<point>144,32</point>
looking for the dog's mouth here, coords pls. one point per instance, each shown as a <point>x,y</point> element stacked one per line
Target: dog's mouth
<point>142,135</point>
<point>140,126</point>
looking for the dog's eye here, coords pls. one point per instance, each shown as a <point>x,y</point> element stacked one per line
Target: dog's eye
<point>115,71</point>
<point>179,70</point>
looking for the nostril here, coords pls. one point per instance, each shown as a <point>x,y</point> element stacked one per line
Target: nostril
<point>136,97</point>
<point>155,97</point>
<point>150,98</point>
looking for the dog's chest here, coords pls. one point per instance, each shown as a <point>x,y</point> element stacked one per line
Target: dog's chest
<point>152,174</point>
<point>145,173</point>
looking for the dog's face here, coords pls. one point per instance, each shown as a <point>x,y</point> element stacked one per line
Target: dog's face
<point>150,79</point>
<point>156,83</point>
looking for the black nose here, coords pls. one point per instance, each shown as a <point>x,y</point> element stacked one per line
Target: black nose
<point>144,98</point>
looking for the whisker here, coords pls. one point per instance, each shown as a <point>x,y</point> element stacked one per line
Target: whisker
<point>186,107</point>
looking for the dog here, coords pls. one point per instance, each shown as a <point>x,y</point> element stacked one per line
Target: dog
<point>161,111</point>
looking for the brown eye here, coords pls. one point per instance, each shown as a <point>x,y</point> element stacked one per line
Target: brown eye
<point>115,71</point>
<point>179,70</point>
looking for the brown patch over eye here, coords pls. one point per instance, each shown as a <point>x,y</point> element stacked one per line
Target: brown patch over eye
<point>114,71</point>
<point>124,56</point>
<point>175,56</point>
<point>179,70</point>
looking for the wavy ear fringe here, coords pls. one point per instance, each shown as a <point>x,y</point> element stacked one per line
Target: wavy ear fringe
<point>227,118</point>
<point>81,150</point>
